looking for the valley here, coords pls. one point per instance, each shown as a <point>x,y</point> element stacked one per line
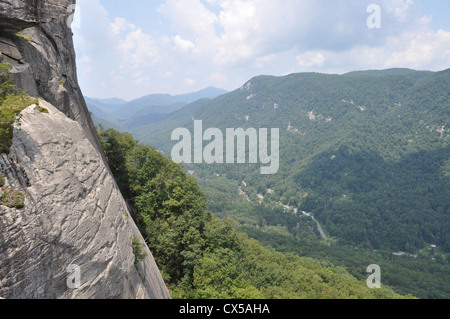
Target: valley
<point>366,153</point>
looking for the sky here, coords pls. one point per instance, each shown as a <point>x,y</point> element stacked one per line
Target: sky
<point>128,49</point>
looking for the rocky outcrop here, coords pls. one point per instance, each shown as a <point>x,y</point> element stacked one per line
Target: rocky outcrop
<point>40,48</point>
<point>74,214</point>
<point>16,15</point>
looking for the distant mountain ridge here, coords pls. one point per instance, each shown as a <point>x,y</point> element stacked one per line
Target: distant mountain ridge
<point>393,71</point>
<point>120,114</point>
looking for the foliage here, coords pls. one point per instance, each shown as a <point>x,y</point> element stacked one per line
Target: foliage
<point>201,256</point>
<point>424,274</point>
<point>12,199</point>
<point>42,109</point>
<point>6,83</point>
<point>366,153</point>
<point>116,146</point>
<point>170,205</point>
<point>10,108</point>
<point>12,102</point>
<point>139,255</point>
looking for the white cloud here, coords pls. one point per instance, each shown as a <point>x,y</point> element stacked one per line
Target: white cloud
<point>142,80</point>
<point>121,25</point>
<point>399,8</point>
<point>189,17</point>
<point>225,42</point>
<point>139,50</point>
<point>430,50</point>
<point>183,45</point>
<point>243,31</point>
<point>189,82</point>
<point>426,50</point>
<point>265,60</point>
<point>256,29</point>
<point>311,59</point>
<point>166,74</point>
<point>216,79</point>
<point>95,35</point>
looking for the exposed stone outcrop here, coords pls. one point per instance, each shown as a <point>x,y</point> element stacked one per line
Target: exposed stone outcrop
<point>40,48</point>
<point>74,213</point>
<point>16,15</point>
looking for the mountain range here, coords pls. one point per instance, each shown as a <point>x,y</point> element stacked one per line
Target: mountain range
<point>367,154</point>
<point>120,114</point>
<point>346,141</point>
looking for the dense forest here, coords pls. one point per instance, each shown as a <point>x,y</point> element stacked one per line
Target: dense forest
<point>201,256</point>
<point>366,154</point>
<point>425,275</point>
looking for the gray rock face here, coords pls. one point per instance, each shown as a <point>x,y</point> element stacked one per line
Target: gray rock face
<point>19,14</point>
<point>74,215</point>
<point>40,48</point>
<point>22,73</point>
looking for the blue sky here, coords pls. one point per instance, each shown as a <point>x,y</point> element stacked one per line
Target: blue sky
<point>132,48</point>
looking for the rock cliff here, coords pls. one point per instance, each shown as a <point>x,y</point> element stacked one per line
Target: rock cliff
<point>73,238</point>
<point>35,37</point>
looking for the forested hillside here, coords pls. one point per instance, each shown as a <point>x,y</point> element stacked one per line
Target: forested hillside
<point>201,256</point>
<point>366,154</point>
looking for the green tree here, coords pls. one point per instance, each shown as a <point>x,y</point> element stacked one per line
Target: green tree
<point>201,256</point>
<point>6,83</point>
<point>170,207</point>
<point>12,102</point>
<point>116,146</point>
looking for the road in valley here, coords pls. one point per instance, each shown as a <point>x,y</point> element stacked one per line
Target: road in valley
<point>319,227</point>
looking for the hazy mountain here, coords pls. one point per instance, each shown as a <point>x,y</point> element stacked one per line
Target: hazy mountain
<point>208,93</point>
<point>117,113</point>
<point>112,101</point>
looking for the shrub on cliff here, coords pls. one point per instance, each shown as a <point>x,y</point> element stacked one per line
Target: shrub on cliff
<point>6,83</point>
<point>12,199</point>
<point>12,102</point>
